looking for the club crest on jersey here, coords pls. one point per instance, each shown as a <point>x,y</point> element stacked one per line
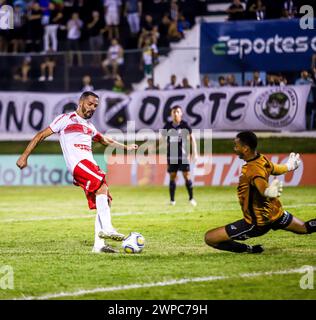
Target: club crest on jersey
<point>85,130</point>
<point>74,119</point>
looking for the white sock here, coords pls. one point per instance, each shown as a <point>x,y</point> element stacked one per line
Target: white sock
<point>98,243</point>
<point>104,212</point>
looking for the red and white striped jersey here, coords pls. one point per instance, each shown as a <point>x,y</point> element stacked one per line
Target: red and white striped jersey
<point>75,137</point>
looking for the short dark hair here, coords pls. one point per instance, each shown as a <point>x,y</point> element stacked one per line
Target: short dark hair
<point>175,107</point>
<point>248,138</point>
<point>86,94</point>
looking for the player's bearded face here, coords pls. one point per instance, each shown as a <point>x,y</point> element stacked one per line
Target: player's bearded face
<point>89,106</point>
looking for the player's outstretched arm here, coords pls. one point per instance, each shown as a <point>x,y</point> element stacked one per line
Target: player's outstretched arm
<point>22,161</point>
<point>292,164</point>
<point>109,141</point>
<point>273,190</point>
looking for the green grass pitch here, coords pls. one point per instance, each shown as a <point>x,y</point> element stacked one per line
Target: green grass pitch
<point>47,236</point>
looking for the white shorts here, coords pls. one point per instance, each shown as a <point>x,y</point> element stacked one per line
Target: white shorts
<point>112,18</point>
<point>109,62</point>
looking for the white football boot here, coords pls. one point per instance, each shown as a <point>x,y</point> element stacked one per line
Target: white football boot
<point>113,234</point>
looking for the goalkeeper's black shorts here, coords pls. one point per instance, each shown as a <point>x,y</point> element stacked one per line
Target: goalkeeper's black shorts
<point>241,230</point>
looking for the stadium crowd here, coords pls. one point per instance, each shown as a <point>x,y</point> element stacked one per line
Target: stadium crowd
<point>265,9</point>
<point>47,30</point>
<point>59,25</point>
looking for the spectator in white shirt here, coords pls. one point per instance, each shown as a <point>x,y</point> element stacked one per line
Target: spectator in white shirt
<point>173,83</point>
<point>87,84</point>
<point>112,10</point>
<point>115,58</point>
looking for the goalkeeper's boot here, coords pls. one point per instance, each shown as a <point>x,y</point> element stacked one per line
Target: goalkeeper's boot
<point>105,249</point>
<point>255,249</point>
<point>113,234</point>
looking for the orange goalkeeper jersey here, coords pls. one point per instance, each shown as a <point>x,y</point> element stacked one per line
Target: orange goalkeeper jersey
<point>258,209</point>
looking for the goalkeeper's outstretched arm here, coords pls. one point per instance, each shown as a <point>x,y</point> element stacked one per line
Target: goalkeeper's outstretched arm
<point>292,164</point>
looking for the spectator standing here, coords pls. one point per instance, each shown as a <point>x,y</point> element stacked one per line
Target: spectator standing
<point>18,33</point>
<point>149,57</point>
<point>257,10</point>
<point>51,29</point>
<point>289,9</point>
<point>112,9</point>
<point>303,80</point>
<point>174,10</point>
<point>174,34</point>
<point>235,11</point>
<point>44,4</point>
<point>34,27</point>
<point>133,12</point>
<point>74,26</point>
<point>147,30</point>
<point>95,29</point>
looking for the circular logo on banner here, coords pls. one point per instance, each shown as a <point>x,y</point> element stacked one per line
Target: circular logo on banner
<point>277,106</point>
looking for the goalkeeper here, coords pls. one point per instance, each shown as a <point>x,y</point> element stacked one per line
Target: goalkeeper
<point>259,201</point>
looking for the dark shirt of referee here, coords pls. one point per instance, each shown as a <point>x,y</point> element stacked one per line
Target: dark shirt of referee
<point>178,133</point>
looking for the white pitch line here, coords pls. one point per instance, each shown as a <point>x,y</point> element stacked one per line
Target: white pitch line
<point>162,284</point>
<point>73,217</point>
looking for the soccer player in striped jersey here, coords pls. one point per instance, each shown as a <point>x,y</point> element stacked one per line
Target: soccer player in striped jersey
<point>259,201</point>
<point>76,133</point>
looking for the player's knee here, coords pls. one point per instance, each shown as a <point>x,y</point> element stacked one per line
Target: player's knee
<point>210,239</point>
<point>102,190</point>
<point>173,177</point>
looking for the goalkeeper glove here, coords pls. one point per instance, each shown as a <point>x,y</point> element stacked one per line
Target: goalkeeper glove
<point>274,190</point>
<point>293,162</point>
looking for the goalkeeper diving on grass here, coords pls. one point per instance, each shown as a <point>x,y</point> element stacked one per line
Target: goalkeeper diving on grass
<point>259,201</point>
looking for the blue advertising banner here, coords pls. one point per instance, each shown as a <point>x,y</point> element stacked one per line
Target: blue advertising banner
<point>41,170</point>
<point>271,45</point>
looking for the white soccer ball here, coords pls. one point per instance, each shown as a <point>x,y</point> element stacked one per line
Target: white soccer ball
<point>133,243</point>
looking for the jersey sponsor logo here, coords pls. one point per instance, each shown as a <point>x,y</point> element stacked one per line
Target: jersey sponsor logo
<point>82,147</point>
